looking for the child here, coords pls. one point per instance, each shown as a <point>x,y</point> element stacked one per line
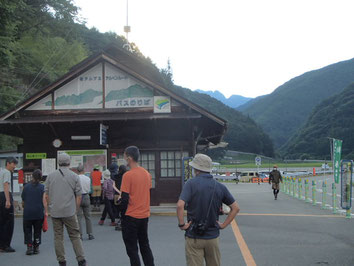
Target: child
<point>35,208</point>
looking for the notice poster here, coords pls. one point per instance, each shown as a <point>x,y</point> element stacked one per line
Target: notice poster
<point>88,158</point>
<point>48,166</point>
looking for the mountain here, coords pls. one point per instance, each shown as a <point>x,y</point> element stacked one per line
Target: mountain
<point>333,117</point>
<point>233,101</point>
<point>242,134</point>
<point>284,111</point>
<point>244,106</point>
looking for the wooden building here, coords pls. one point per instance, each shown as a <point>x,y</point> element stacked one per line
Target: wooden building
<point>109,101</point>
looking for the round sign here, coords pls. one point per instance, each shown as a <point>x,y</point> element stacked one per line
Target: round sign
<point>258,160</point>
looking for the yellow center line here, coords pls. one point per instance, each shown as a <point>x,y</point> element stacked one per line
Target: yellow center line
<point>290,215</point>
<point>246,253</point>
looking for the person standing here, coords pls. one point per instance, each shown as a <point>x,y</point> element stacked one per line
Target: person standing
<point>63,193</point>
<point>7,218</point>
<point>203,196</point>
<point>96,176</point>
<point>34,209</point>
<point>136,185</point>
<point>275,178</point>
<point>85,203</point>
<point>118,195</point>
<point>108,195</point>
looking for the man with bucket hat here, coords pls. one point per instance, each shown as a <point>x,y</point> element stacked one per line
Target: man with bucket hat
<point>203,197</point>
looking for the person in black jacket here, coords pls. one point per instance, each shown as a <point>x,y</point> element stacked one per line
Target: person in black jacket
<point>275,178</point>
<point>117,184</point>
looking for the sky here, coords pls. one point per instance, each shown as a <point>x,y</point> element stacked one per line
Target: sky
<point>247,47</point>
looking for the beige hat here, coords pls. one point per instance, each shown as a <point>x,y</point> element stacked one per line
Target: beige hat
<point>106,174</point>
<point>63,158</point>
<point>202,162</point>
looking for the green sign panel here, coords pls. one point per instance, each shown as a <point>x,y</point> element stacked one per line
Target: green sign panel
<point>31,156</point>
<point>337,151</point>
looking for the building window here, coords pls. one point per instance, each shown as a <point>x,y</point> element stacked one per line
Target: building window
<point>147,160</point>
<point>171,163</point>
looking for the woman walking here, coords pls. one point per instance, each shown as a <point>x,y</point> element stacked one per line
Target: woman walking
<point>108,196</point>
<point>34,209</point>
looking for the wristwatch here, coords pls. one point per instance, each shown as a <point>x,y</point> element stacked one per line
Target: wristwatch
<point>181,225</point>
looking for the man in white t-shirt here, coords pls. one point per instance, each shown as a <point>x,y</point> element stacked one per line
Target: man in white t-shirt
<point>7,218</point>
<point>85,202</point>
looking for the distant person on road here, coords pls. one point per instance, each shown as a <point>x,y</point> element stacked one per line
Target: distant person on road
<point>85,202</point>
<point>7,218</point>
<point>203,196</point>
<point>136,185</point>
<point>96,176</point>
<point>275,178</point>
<point>63,193</point>
<point>34,209</point>
<point>108,196</point>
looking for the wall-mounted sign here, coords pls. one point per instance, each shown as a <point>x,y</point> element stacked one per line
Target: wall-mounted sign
<point>37,155</point>
<point>88,158</point>
<point>80,137</point>
<point>162,104</point>
<point>123,91</point>
<point>103,134</point>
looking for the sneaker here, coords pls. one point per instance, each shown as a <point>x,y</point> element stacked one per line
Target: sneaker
<point>101,222</point>
<point>118,227</point>
<point>82,263</point>
<point>29,250</point>
<point>9,249</point>
<point>113,224</point>
<point>91,237</point>
<point>62,263</point>
<point>35,249</point>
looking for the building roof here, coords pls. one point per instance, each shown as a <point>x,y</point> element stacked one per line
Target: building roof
<point>124,60</point>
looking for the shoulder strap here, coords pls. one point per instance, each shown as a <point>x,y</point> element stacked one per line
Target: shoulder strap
<point>61,172</point>
<point>211,201</point>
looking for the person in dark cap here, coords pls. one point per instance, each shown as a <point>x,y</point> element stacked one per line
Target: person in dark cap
<point>275,178</point>
<point>63,193</point>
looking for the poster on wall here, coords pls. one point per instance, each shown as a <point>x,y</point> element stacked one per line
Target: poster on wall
<point>122,91</point>
<point>48,166</point>
<point>162,104</point>
<point>88,158</point>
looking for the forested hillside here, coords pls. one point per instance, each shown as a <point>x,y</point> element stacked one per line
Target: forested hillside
<point>334,118</point>
<point>243,133</point>
<point>284,111</point>
<point>40,40</point>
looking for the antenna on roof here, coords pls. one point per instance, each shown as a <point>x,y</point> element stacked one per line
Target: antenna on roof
<point>127,30</point>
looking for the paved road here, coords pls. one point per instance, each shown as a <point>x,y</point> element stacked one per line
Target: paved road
<point>268,232</point>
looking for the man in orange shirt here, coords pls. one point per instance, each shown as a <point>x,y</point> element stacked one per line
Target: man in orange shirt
<point>96,177</point>
<point>135,189</point>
